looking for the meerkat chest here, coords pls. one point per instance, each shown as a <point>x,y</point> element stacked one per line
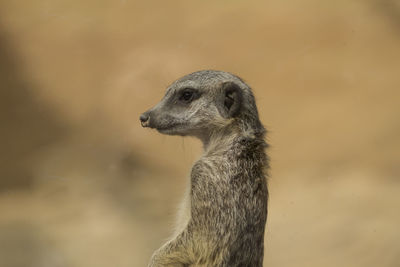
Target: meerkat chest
<point>200,168</point>
<point>183,214</point>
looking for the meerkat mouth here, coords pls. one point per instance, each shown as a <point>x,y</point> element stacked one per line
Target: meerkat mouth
<point>169,129</point>
<point>166,128</point>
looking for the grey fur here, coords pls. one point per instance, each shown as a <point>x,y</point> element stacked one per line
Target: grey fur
<point>223,217</point>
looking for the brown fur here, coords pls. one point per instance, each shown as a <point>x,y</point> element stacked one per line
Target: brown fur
<point>225,210</point>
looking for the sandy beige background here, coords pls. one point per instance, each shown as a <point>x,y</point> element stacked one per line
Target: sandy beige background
<point>82,184</point>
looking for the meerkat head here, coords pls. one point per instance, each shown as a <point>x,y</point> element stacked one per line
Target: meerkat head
<point>202,102</point>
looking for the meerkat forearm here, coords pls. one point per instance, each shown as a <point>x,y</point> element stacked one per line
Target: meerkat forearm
<point>173,253</point>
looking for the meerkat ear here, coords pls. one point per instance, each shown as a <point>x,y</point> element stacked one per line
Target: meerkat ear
<point>231,99</point>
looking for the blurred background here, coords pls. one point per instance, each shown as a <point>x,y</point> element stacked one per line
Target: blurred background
<point>82,184</point>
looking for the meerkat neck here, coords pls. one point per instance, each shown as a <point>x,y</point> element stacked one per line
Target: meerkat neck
<point>223,139</point>
<point>217,141</point>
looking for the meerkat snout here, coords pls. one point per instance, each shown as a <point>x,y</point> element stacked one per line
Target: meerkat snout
<point>144,119</point>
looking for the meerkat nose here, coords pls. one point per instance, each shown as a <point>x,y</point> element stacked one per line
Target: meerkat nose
<point>144,119</point>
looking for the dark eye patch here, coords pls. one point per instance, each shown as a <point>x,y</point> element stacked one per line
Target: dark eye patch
<point>187,95</point>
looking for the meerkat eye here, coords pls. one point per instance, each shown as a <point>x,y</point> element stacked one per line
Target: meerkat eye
<point>187,95</point>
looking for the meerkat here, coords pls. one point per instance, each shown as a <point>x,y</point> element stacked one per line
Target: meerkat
<point>223,223</point>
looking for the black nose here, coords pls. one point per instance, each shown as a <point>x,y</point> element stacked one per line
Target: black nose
<point>144,117</point>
